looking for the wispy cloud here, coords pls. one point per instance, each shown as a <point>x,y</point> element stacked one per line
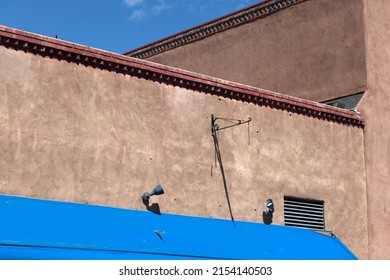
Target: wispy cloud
<point>137,15</point>
<point>132,3</point>
<point>142,9</point>
<point>160,6</point>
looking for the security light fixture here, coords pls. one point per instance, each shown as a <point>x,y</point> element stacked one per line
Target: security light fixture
<point>270,205</point>
<point>158,190</point>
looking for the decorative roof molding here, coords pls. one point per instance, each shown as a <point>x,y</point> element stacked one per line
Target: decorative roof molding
<point>235,19</point>
<point>74,53</point>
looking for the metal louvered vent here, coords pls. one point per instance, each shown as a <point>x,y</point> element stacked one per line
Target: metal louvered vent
<point>306,213</point>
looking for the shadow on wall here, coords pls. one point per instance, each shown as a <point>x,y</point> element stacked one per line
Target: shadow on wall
<point>267,217</point>
<point>154,208</point>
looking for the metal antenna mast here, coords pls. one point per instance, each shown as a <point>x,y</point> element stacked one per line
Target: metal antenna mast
<point>214,128</point>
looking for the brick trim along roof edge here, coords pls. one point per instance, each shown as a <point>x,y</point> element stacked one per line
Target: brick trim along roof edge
<point>74,53</point>
<point>234,19</point>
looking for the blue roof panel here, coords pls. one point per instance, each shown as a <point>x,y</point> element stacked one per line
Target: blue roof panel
<point>41,229</point>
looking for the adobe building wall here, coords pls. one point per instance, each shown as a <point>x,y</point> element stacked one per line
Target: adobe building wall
<point>375,108</point>
<point>82,134</point>
<point>313,50</point>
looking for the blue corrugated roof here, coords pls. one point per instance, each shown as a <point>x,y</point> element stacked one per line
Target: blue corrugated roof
<point>41,229</point>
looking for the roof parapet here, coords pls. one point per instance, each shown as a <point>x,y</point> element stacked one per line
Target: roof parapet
<point>259,10</point>
<point>74,53</point>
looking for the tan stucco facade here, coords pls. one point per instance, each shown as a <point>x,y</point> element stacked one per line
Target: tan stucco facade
<point>313,50</point>
<point>375,108</point>
<point>76,133</point>
<point>318,50</point>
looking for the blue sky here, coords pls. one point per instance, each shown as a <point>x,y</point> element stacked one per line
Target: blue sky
<point>113,25</point>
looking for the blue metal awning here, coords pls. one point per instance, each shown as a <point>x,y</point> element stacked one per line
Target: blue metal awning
<point>41,229</point>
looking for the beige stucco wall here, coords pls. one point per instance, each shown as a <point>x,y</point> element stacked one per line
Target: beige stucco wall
<point>375,108</point>
<point>74,133</point>
<point>313,50</point>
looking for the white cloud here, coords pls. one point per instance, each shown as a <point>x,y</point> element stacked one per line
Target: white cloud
<point>132,3</point>
<point>143,9</point>
<point>137,15</point>
<point>160,6</point>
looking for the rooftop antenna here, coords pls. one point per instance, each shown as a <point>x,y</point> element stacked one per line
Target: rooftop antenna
<point>233,122</point>
<point>214,129</point>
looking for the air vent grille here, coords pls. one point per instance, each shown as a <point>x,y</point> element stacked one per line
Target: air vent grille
<point>299,212</point>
